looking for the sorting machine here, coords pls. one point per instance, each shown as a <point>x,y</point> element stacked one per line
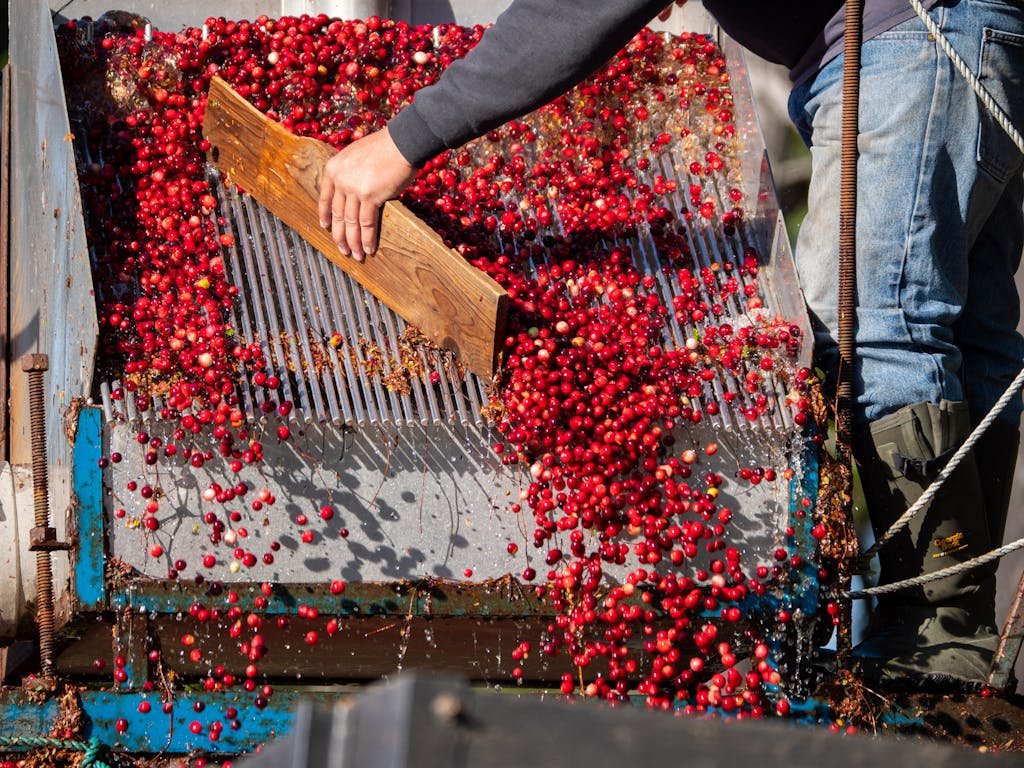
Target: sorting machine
<point>412,477</point>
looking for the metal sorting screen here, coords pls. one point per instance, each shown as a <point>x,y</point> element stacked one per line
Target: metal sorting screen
<point>294,300</point>
<point>411,473</point>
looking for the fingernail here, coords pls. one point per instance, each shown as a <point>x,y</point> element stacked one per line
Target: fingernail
<point>323,224</point>
<point>368,250</point>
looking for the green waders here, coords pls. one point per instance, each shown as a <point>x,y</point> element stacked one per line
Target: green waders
<point>944,632</point>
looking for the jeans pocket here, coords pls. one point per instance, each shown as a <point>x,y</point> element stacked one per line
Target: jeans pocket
<point>1002,74</point>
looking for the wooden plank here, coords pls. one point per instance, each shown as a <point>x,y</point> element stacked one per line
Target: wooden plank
<point>362,648</point>
<point>428,284</point>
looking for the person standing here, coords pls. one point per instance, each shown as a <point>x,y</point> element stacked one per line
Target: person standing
<point>940,236</point>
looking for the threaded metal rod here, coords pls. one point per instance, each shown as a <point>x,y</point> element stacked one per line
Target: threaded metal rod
<point>847,292</point>
<point>36,366</point>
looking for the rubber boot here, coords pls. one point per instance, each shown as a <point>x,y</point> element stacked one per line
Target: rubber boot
<point>940,635</point>
<point>996,456</point>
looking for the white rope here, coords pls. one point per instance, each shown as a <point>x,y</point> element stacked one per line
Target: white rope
<point>1004,121</point>
<point>953,570</point>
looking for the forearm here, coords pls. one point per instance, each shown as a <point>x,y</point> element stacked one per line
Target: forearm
<point>536,50</point>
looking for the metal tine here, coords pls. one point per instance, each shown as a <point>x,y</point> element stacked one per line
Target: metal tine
<point>129,406</point>
<point>305,371</point>
<point>704,237</point>
<point>271,258</point>
<point>377,311</point>
<point>419,391</point>
<point>446,396</point>
<point>727,415</point>
<point>734,245</point>
<point>269,339</point>
<point>108,403</point>
<point>435,412</point>
<point>765,419</point>
<point>713,240</point>
<point>309,319</point>
<point>323,319</point>
<point>257,253</point>
<point>389,320</point>
<point>652,260</point>
<point>724,415</point>
<point>454,389</point>
<point>481,390</point>
<point>344,376</point>
<point>239,309</point>
<point>737,242</point>
<point>354,375</point>
<point>341,283</point>
<point>469,386</point>
<point>698,251</point>
<point>359,298</point>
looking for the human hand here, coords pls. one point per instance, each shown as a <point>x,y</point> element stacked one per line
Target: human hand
<point>356,182</point>
<point>663,16</point>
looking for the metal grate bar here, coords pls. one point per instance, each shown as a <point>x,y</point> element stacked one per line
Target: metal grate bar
<point>371,388</point>
<point>302,366</point>
<point>265,324</point>
<point>390,352</point>
<point>387,319</point>
<point>435,412</point>
<point>323,274</point>
<point>335,385</point>
<point>239,312</point>
<point>292,298</point>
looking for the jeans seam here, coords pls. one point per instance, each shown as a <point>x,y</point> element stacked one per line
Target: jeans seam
<point>940,93</point>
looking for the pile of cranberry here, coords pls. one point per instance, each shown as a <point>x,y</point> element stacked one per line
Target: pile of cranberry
<point>593,393</point>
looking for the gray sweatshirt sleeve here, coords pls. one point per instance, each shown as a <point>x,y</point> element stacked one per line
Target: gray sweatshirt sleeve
<point>536,50</point>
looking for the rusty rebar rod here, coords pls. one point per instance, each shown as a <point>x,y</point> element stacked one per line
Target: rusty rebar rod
<point>1001,673</point>
<point>42,534</point>
<point>848,292</point>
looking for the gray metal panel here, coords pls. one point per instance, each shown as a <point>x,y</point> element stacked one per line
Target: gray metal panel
<point>52,305</point>
<point>418,502</point>
<point>436,722</point>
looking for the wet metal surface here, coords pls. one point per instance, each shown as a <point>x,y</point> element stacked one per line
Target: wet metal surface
<point>52,308</point>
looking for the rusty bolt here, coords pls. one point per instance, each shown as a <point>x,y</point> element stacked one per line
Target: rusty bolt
<point>35,362</point>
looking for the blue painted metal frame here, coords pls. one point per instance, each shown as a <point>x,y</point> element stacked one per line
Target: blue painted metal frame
<point>156,731</point>
<point>90,589</point>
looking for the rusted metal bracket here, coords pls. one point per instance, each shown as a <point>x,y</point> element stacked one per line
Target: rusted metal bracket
<point>44,539</point>
<point>1000,677</point>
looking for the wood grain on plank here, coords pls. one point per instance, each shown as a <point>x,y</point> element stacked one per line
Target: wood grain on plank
<point>426,283</point>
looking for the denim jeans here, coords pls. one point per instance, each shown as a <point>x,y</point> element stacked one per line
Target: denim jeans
<point>940,227</point>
